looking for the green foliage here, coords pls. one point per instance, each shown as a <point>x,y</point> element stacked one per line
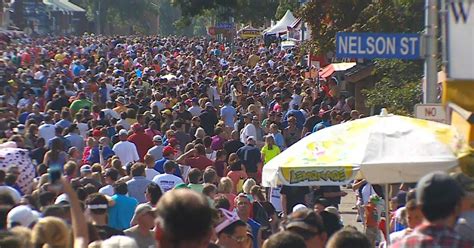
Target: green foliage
<point>243,11</point>
<point>285,5</point>
<point>397,86</point>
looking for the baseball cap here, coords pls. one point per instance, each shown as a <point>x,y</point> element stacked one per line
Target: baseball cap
<point>139,211</point>
<point>208,104</point>
<point>96,133</point>
<point>166,112</point>
<point>86,168</point>
<point>466,182</point>
<point>305,219</point>
<point>298,207</point>
<point>157,138</point>
<point>62,198</point>
<point>168,150</point>
<point>21,215</point>
<point>136,127</point>
<point>228,218</point>
<point>120,100</point>
<point>123,132</point>
<point>250,138</point>
<point>438,188</point>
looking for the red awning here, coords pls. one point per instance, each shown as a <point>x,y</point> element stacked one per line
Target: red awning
<point>330,69</point>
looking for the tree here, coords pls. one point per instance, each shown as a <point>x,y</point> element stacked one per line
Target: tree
<point>397,86</point>
<point>285,5</point>
<point>244,11</point>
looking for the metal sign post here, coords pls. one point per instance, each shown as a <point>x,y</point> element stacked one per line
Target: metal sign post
<point>430,88</point>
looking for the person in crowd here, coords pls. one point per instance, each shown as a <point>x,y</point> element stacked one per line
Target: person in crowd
<point>251,158</point>
<point>269,150</point>
<point>153,194</point>
<point>157,150</point>
<point>150,171</point>
<point>168,154</point>
<point>232,145</point>
<point>168,180</point>
<point>465,224</point>
<point>121,213</point>
<point>291,196</point>
<point>137,185</point>
<point>309,225</point>
<point>284,239</point>
<point>126,150</point>
<point>101,152</point>
<point>231,231</point>
<point>111,176</point>
<point>347,238</point>
<point>143,221</point>
<point>196,158</point>
<point>439,197</point>
<point>184,219</point>
<point>194,179</point>
<point>141,141</point>
<point>97,205</point>
<point>243,208</point>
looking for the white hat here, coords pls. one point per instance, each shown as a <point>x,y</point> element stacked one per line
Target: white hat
<point>123,132</point>
<point>22,215</point>
<point>228,218</point>
<point>120,242</point>
<point>157,138</point>
<point>299,207</point>
<point>61,198</point>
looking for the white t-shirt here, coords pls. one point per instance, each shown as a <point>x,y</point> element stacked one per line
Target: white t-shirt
<point>83,128</point>
<point>167,181</point>
<point>195,110</point>
<point>110,113</point>
<point>126,151</point>
<point>47,132</point>
<point>151,173</point>
<point>107,190</point>
<point>247,131</point>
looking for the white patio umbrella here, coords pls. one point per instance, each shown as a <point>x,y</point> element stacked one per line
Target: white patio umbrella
<point>385,149</point>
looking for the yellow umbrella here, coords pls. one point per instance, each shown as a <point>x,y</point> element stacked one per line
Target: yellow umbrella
<point>385,149</point>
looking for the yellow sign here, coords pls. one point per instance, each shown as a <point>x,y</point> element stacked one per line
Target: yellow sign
<point>335,175</point>
<point>247,34</point>
<point>460,92</point>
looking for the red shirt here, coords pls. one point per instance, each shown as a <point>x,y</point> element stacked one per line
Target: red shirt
<point>143,142</point>
<point>200,162</point>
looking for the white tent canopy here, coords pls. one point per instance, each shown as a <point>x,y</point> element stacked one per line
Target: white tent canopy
<point>282,25</point>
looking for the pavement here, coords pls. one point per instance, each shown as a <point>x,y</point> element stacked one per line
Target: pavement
<point>349,215</point>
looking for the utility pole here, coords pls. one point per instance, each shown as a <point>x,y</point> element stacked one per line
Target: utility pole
<point>430,88</point>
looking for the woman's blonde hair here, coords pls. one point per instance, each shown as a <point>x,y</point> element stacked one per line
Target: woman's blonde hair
<point>225,185</point>
<point>50,232</point>
<point>248,184</point>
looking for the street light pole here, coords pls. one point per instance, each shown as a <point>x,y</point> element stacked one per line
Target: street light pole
<point>430,89</point>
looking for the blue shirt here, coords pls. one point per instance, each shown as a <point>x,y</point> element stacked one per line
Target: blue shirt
<point>279,140</point>
<point>228,113</point>
<point>23,117</point>
<point>94,156</point>
<point>136,188</point>
<point>321,125</point>
<point>299,118</point>
<point>255,227</point>
<point>121,213</point>
<point>159,167</point>
<point>63,123</point>
<point>76,141</point>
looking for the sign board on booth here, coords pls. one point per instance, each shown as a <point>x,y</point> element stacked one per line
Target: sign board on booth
<point>460,32</point>
<point>378,45</point>
<point>431,112</point>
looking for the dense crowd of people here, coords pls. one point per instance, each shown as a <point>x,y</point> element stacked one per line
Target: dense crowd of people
<point>160,142</point>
